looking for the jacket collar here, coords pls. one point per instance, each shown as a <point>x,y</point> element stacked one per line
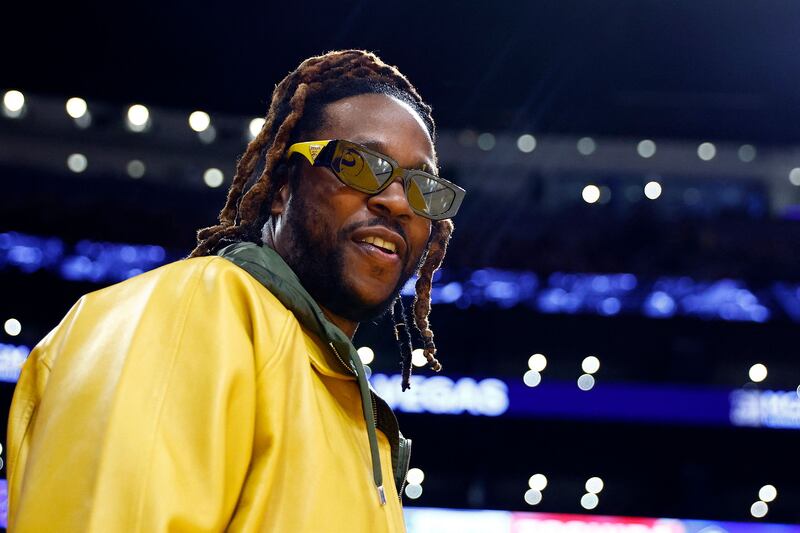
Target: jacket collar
<point>269,268</point>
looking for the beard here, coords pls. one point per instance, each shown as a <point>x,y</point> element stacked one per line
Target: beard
<point>317,258</point>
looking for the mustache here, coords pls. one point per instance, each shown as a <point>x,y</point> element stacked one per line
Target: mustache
<point>378,221</point>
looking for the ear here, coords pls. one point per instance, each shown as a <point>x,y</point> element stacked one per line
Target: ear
<point>282,196</point>
<point>280,200</point>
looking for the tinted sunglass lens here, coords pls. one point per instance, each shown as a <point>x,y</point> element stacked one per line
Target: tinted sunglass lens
<point>429,195</point>
<point>351,167</point>
<point>380,167</point>
<point>360,169</point>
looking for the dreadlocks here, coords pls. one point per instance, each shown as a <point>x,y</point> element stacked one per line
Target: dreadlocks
<point>296,108</point>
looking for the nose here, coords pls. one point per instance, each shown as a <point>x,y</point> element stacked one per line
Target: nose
<point>391,202</point>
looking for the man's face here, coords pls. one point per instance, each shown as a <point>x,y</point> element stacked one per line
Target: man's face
<point>321,225</point>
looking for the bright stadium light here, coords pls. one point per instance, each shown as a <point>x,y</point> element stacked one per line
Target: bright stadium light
<point>758,373</point>
<point>759,509</point>
<point>413,491</point>
<point>77,163</point>
<point>794,176</point>
<point>646,148</point>
<point>706,151</point>
<point>418,357</point>
<point>589,501</point>
<point>13,104</point>
<point>486,141</point>
<point>652,190</point>
<point>12,327</point>
<point>586,382</point>
<point>137,118</point>
<point>526,143</point>
<point>135,168</point>
<point>366,354</point>
<point>537,362</point>
<point>213,177</point>
<point>415,476</point>
<point>747,153</point>
<point>590,194</point>
<point>76,107</point>
<point>255,127</point>
<point>532,378</point>
<point>538,482</point>
<point>533,496</point>
<point>199,121</point>
<point>594,485</point>
<point>591,364</point>
<point>586,146</point>
<point>768,493</point>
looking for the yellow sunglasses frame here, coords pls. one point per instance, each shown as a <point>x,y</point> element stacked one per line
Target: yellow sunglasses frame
<point>312,149</point>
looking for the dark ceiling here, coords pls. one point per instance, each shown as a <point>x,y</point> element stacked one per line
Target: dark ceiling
<point>710,69</point>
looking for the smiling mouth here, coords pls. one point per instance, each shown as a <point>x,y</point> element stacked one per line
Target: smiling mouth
<point>384,246</point>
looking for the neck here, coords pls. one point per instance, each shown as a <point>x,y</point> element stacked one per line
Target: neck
<point>347,326</point>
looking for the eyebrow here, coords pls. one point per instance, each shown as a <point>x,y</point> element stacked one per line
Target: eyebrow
<point>381,147</point>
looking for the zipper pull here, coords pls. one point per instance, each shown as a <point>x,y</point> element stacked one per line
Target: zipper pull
<point>381,495</point>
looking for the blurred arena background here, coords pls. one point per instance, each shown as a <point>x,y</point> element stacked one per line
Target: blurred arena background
<point>618,316</point>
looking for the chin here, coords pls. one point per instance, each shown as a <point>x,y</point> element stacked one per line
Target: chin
<point>376,299</point>
<point>368,301</point>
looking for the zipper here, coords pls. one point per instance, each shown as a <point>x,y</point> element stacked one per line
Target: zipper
<point>368,396</point>
<point>374,407</point>
<point>403,463</point>
<point>371,394</point>
<point>348,367</point>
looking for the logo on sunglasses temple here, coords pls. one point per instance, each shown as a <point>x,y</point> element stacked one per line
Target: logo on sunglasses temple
<point>314,150</point>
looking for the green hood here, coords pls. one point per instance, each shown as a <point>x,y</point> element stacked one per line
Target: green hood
<point>269,268</point>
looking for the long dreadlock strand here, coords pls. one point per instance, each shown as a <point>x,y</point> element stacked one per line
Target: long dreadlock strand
<point>440,237</point>
<point>209,237</point>
<point>403,336</point>
<point>250,206</point>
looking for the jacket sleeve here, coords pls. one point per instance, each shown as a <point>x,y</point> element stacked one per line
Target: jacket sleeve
<point>136,413</point>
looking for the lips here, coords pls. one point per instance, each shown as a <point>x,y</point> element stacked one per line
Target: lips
<point>381,241</point>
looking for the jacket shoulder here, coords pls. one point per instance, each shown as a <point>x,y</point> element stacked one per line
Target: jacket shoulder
<point>201,278</point>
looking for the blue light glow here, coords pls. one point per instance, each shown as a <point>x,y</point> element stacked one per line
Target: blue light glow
<point>562,400</point>
<point>659,305</point>
<point>560,292</point>
<point>765,408</point>
<point>443,395</point>
<point>11,360</point>
<point>98,262</point>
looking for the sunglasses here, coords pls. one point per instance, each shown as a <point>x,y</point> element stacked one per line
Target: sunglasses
<point>371,172</point>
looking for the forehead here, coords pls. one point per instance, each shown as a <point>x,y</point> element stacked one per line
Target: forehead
<point>383,123</point>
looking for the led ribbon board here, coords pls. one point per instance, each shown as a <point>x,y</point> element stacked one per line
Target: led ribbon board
<point>430,520</point>
<point>447,395</point>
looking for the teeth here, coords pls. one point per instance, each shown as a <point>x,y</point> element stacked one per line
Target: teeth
<point>380,243</point>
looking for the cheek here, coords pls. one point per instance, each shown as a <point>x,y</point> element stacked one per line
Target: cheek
<point>327,203</point>
<point>418,235</point>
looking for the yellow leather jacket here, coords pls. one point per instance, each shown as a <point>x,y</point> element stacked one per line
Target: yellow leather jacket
<point>192,398</point>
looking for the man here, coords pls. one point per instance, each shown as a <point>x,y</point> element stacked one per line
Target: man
<point>223,392</point>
